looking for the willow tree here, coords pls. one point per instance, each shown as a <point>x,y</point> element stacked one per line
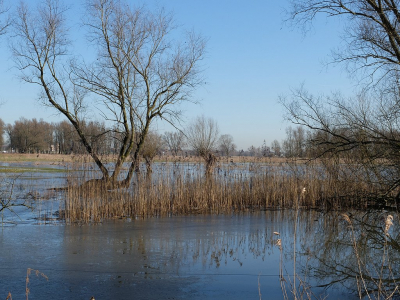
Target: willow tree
<point>202,136</point>
<point>141,71</point>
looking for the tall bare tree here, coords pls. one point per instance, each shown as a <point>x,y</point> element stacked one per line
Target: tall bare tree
<point>372,36</point>
<point>151,148</point>
<point>6,22</point>
<point>2,129</point>
<point>226,145</point>
<point>140,73</point>
<point>202,136</point>
<point>65,138</point>
<point>175,141</point>
<point>366,127</point>
<point>276,147</point>
<point>30,136</point>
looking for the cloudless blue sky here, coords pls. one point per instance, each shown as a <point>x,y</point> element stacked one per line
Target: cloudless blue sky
<point>252,58</point>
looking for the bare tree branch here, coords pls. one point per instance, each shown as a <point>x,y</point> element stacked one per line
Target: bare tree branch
<point>140,73</point>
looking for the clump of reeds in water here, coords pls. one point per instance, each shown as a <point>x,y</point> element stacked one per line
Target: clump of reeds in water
<point>182,188</point>
<point>375,279</point>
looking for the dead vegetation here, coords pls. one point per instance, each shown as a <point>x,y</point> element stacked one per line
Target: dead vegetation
<point>182,188</point>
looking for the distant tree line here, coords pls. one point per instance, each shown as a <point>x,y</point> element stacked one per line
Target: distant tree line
<point>39,136</point>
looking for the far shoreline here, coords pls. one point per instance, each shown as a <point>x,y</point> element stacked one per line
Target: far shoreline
<point>64,158</point>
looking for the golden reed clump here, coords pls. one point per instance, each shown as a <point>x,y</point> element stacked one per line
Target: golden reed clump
<point>182,188</point>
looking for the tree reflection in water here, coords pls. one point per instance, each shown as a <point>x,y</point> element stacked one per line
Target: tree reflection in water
<point>207,256</point>
<point>353,250</point>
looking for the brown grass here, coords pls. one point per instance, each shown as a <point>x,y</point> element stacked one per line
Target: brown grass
<point>232,187</point>
<point>57,158</point>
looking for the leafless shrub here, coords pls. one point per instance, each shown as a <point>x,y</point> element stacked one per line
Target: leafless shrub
<point>9,197</point>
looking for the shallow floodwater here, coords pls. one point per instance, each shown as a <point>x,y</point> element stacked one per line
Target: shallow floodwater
<point>180,257</point>
<point>227,256</point>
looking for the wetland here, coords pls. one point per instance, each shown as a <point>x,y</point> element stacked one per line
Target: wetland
<point>257,252</point>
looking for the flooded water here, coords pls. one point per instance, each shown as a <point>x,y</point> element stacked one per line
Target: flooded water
<point>181,257</point>
<point>229,256</point>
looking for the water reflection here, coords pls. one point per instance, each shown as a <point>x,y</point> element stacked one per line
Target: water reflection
<point>198,257</point>
<point>358,255</point>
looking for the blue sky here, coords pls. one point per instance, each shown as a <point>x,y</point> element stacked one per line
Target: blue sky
<point>252,58</point>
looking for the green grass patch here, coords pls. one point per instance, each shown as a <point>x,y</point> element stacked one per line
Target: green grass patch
<point>9,169</point>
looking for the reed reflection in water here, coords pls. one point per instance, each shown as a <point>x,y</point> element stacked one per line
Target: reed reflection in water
<point>360,252</point>
<point>180,257</point>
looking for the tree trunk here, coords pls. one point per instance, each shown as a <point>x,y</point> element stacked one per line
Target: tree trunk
<point>210,160</point>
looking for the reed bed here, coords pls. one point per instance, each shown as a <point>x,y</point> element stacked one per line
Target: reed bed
<point>182,188</point>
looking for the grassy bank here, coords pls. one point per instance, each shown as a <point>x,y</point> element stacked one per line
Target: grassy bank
<point>63,158</point>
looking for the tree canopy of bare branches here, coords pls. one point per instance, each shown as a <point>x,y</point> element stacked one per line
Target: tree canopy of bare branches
<point>276,148</point>
<point>202,136</point>
<point>364,132</point>
<point>152,147</point>
<point>372,36</point>
<point>226,145</point>
<point>30,136</point>
<point>2,128</point>
<point>140,73</point>
<point>175,141</point>
<point>364,128</point>
<point>4,23</point>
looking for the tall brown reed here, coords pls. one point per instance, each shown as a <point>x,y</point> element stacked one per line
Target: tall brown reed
<point>27,280</point>
<point>182,188</point>
<point>374,283</point>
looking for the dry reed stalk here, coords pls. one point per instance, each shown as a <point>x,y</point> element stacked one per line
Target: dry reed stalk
<point>181,189</point>
<point>373,284</point>
<point>28,273</point>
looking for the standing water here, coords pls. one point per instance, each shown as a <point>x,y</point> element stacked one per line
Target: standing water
<point>248,255</point>
<point>198,257</point>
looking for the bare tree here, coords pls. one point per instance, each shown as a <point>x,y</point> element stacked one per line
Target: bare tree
<point>202,136</point>
<point>253,151</point>
<point>364,132</point>
<point>140,73</point>
<point>175,141</point>
<point>372,35</point>
<point>152,147</point>
<point>363,129</point>
<point>276,147</point>
<point>3,24</point>
<point>226,145</point>
<point>265,150</point>
<point>9,196</point>
<point>65,138</point>
<point>2,130</point>
<point>30,136</point>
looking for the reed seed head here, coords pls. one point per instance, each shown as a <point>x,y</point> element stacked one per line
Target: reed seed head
<point>346,218</point>
<point>388,224</point>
